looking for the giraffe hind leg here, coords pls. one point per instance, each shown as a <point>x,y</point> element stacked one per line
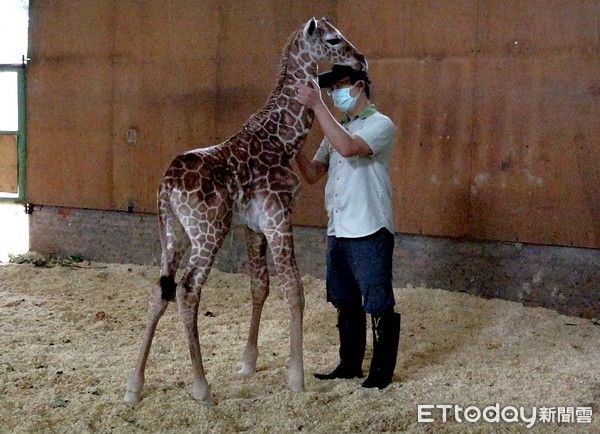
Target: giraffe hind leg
<point>188,299</point>
<point>282,249</point>
<point>256,249</point>
<point>174,242</point>
<point>157,306</point>
<point>188,293</point>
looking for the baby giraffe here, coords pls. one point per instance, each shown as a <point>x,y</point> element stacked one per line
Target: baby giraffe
<point>249,176</point>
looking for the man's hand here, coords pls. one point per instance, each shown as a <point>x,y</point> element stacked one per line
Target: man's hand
<point>309,96</point>
<point>311,171</point>
<point>343,142</point>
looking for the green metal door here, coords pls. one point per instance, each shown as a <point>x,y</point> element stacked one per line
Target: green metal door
<point>13,141</point>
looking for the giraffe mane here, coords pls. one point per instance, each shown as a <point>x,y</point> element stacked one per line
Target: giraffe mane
<point>255,121</point>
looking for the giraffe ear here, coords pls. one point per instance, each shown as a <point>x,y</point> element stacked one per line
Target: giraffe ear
<point>310,30</point>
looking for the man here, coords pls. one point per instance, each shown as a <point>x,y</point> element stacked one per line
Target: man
<point>356,155</point>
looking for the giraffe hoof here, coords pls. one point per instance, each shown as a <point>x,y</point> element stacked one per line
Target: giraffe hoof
<point>207,401</point>
<point>296,387</point>
<point>247,368</point>
<point>203,396</point>
<point>133,390</point>
<point>296,384</point>
<point>132,397</point>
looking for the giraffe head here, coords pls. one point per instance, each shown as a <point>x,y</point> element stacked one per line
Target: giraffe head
<point>324,43</point>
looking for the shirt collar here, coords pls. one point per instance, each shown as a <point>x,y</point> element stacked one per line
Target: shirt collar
<point>364,114</point>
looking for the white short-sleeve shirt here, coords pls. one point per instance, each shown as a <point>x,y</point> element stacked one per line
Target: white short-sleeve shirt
<point>358,193</point>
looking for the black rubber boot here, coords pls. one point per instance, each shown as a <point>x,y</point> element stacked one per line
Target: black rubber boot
<point>352,327</point>
<point>386,335</point>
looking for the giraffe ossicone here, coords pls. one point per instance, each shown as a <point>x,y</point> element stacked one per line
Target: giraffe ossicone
<point>247,175</point>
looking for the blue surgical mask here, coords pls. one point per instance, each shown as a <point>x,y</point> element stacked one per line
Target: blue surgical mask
<point>343,100</point>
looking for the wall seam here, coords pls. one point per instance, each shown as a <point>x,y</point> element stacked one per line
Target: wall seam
<point>472,144</point>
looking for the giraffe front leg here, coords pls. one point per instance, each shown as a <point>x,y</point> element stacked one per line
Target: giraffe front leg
<point>156,308</point>
<point>282,249</point>
<point>295,297</point>
<point>256,249</point>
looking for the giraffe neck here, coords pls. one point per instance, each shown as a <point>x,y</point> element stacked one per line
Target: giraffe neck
<point>283,116</point>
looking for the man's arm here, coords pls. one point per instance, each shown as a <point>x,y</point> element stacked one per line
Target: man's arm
<point>311,171</point>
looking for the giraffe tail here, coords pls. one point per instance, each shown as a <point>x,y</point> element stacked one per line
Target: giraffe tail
<point>168,286</point>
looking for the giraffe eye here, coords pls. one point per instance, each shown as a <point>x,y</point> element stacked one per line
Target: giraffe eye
<point>333,41</point>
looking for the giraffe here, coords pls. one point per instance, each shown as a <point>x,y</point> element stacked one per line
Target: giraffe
<point>247,176</point>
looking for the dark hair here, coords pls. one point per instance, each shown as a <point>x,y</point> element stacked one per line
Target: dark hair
<point>337,72</point>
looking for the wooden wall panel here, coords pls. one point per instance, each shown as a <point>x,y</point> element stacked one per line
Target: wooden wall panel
<point>431,162</point>
<point>8,164</point>
<point>164,80</point>
<point>164,87</point>
<point>70,30</point>
<point>536,157</point>
<point>496,102</point>
<point>514,28</point>
<point>68,104</point>
<point>421,63</point>
<point>69,134</point>
<point>407,28</point>
<point>169,116</point>
<point>101,68</point>
<point>535,166</point>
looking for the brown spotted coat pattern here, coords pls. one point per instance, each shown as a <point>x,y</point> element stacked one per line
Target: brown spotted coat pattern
<point>247,178</point>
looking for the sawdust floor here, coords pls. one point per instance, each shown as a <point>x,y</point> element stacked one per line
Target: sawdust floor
<point>69,337</point>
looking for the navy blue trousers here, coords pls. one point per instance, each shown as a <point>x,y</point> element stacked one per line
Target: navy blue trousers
<point>359,272</point>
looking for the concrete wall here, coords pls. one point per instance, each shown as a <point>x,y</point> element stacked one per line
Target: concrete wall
<point>561,278</point>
